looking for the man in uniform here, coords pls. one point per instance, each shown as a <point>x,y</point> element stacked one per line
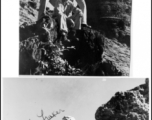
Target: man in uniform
<point>83,7</point>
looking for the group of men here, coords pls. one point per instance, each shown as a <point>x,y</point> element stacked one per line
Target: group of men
<point>67,11</point>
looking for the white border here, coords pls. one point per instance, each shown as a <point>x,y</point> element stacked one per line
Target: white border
<point>140,39</point>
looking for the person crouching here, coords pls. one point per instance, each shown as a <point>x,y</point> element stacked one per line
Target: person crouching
<point>66,11</point>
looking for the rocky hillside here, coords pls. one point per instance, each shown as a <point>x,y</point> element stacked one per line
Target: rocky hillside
<point>89,52</point>
<point>130,105</point>
<point>112,16</point>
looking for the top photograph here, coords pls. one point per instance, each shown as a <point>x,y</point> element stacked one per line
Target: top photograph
<point>75,37</point>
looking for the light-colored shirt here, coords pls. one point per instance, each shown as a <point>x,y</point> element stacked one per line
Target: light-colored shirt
<point>65,7</point>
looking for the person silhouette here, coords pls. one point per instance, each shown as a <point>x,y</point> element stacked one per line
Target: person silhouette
<point>83,7</point>
<point>65,11</point>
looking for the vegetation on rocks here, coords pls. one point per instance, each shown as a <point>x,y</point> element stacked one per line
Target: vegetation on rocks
<point>130,105</point>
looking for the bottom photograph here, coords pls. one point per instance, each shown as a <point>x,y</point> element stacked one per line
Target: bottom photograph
<point>75,99</point>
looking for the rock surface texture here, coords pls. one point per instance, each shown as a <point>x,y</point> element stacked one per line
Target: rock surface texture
<point>130,105</point>
<point>89,52</point>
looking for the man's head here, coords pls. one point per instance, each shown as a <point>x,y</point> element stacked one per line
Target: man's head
<point>68,118</point>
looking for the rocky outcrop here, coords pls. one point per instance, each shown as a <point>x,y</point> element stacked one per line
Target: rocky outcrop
<point>129,105</point>
<point>89,52</point>
<point>112,18</point>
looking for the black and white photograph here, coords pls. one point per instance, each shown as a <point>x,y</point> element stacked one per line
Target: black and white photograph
<point>75,99</point>
<point>76,60</point>
<point>75,37</point>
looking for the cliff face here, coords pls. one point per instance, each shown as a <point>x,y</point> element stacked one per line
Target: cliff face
<point>111,17</point>
<point>130,105</point>
<point>92,53</point>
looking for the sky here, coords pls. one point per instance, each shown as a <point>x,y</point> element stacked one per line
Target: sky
<point>24,98</point>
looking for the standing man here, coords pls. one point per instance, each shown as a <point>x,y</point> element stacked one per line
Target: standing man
<point>63,11</point>
<point>83,7</point>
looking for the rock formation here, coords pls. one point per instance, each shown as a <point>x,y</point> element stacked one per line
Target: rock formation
<point>113,18</point>
<point>130,105</point>
<point>89,52</point>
